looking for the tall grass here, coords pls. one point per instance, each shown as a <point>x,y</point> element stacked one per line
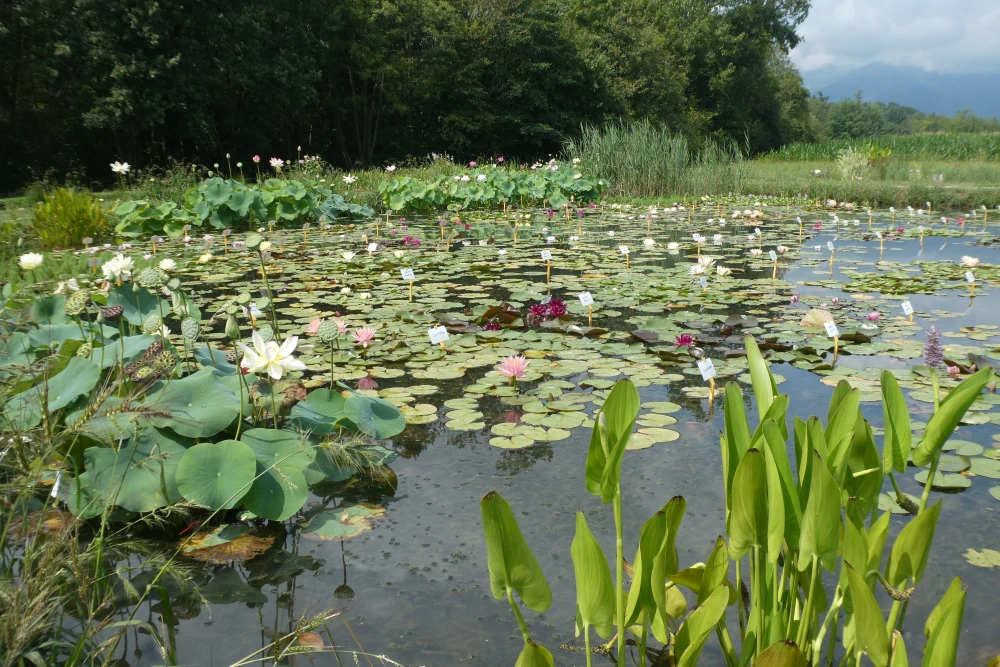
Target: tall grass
<point>644,159</point>
<point>984,146</point>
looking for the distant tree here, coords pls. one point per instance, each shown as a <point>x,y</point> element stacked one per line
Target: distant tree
<point>854,119</point>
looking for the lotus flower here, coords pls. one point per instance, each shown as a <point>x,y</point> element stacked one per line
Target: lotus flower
<point>264,246</point>
<point>31,261</point>
<point>348,178</point>
<point>391,168</point>
<point>684,340</point>
<point>120,167</point>
<point>313,327</point>
<point>367,383</point>
<point>277,163</point>
<point>874,315</point>
<point>341,326</point>
<point>271,358</point>
<point>118,268</point>
<point>971,262</point>
<point>900,230</point>
<point>363,336</point>
<point>513,367</point>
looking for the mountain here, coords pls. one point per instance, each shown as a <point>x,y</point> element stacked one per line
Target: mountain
<point>930,92</point>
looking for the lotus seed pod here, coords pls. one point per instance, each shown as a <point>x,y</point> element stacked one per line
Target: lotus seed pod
<point>135,288</point>
<point>190,328</point>
<point>263,303</point>
<point>84,350</point>
<point>112,313</point>
<point>76,302</point>
<point>253,240</point>
<point>328,331</point>
<point>152,277</point>
<point>265,332</point>
<point>232,328</point>
<point>152,324</point>
<point>243,299</point>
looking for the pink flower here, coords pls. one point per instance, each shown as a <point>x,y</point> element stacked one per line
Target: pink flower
<point>818,226</point>
<point>795,299</point>
<point>961,221</point>
<point>900,230</point>
<point>256,158</point>
<point>363,336</point>
<point>557,308</point>
<point>500,159</point>
<point>491,326</point>
<point>513,367</point>
<point>835,299</point>
<point>472,164</point>
<point>954,370</point>
<point>341,326</point>
<point>684,340</point>
<point>367,383</point>
<point>313,326</point>
<point>874,315</point>
<point>593,205</point>
<point>277,163</point>
<point>551,213</point>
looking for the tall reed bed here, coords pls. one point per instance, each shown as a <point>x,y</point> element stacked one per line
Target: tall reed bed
<point>644,159</point>
<point>984,146</point>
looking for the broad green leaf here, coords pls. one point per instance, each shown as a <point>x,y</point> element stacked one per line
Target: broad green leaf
<point>640,595</point>
<point>534,655</point>
<point>843,422</point>
<point>280,489</point>
<point>775,413</point>
<point>821,521</point>
<point>899,657</point>
<point>197,406</point>
<point>511,563</point>
<point>912,547</point>
<point>840,392</point>
<point>78,379</point>
<point>942,644</point>
<point>789,491</point>
<point>870,629</point>
<point>898,440</point>
<point>619,410</point>
<point>376,417</point>
<point>748,521</point>
<point>141,476</point>
<point>735,418</point>
<point>320,413</point>
<point>764,386</point>
<point>944,420</point>
<point>666,561</point>
<point>50,309</point>
<point>716,572</point>
<point>877,535</point>
<point>783,653</point>
<point>216,475</point>
<point>775,508</point>
<point>595,592</point>
<point>699,624</point>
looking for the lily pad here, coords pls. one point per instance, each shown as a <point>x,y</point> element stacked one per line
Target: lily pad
<point>342,524</point>
<point>216,475</point>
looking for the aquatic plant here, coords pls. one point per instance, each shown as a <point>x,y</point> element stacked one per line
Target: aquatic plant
<point>783,530</point>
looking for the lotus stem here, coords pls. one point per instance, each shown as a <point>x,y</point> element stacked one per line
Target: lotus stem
<point>274,407</point>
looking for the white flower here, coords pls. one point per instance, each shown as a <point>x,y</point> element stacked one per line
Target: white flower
<point>264,246</point>
<point>649,243</point>
<point>574,238</point>
<point>167,265</point>
<point>348,255</point>
<point>67,286</point>
<point>611,232</point>
<point>755,252</point>
<point>717,238</point>
<point>120,167</point>
<point>118,268</point>
<point>673,245</point>
<point>501,251</point>
<point>271,358</point>
<point>971,262</point>
<point>391,168</point>
<point>277,163</point>
<point>550,239</point>
<point>464,178</point>
<point>722,270</point>
<point>398,254</point>
<point>481,178</point>
<point>345,290</point>
<point>706,261</point>
<point>576,160</point>
<point>696,270</point>
<point>349,179</point>
<point>31,261</point>
<point>364,295</point>
<point>206,258</point>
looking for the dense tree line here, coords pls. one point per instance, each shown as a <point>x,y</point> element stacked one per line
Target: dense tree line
<point>858,119</point>
<point>361,82</point>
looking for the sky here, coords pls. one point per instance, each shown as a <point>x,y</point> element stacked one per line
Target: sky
<point>935,35</point>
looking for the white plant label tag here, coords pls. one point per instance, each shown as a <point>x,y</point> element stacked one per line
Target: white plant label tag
<point>696,237</point>
<point>406,273</point>
<point>587,299</point>
<point>501,251</point>
<point>372,247</point>
<point>623,249</point>
<point>907,308</point>
<point>305,227</point>
<point>437,334</point>
<point>547,255</point>
<point>88,240</point>
<point>829,246</point>
<point>969,278</point>
<point>707,368</point>
<point>878,235</point>
<point>546,300</point>
<point>254,310</point>
<point>57,485</point>
<point>773,255</point>
<point>704,282</point>
<point>831,330</point>
<point>756,230</point>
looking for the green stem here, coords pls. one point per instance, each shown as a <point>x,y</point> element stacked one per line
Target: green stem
<point>586,644</point>
<point>832,616</point>
<point>270,297</point>
<point>805,621</point>
<point>642,640</point>
<point>728,650</point>
<point>739,599</point>
<point>619,573</point>
<point>900,498</point>
<point>758,579</point>
<point>274,407</point>
<point>331,368</point>
<point>517,614</point>
<point>935,460</point>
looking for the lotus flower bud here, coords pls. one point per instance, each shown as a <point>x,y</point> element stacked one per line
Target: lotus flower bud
<point>232,328</point>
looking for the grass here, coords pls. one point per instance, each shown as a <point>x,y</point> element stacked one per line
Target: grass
<point>983,146</point>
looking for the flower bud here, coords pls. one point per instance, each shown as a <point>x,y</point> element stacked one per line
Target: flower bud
<point>232,328</point>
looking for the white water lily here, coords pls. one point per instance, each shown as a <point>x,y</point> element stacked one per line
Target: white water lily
<point>118,268</point>
<point>501,251</point>
<point>722,270</point>
<point>611,232</point>
<point>706,261</point>
<point>971,262</point>
<point>271,358</point>
<point>696,270</point>
<point>348,255</point>
<point>167,265</point>
<point>30,261</point>
<point>67,286</point>
<point>649,243</point>
<point>673,245</point>
<point>349,179</point>
<point>398,254</point>
<point>345,290</point>
<point>717,238</point>
<point>481,178</point>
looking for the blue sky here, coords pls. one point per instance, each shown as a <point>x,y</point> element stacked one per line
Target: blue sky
<point>936,35</point>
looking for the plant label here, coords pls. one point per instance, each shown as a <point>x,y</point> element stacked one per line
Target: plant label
<point>92,262</point>
<point>372,247</point>
<point>969,278</point>
<point>829,246</point>
<point>305,227</point>
<point>587,299</point>
<point>878,235</point>
<point>623,249</point>
<point>437,334</point>
<point>773,255</point>
<point>226,232</point>
<point>704,282</point>
<point>157,239</point>
<point>546,300</point>
<point>254,310</point>
<point>547,255</point>
<point>407,274</point>
<point>907,308</point>
<point>831,330</point>
<point>707,368</point>
<point>88,241</point>
<point>696,237</point>
<point>920,229</point>
<point>756,230</point>
<point>56,486</point>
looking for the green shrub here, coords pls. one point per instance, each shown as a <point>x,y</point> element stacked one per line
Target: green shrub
<point>852,164</point>
<point>66,217</point>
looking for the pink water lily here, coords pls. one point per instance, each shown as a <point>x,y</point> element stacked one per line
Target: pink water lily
<point>513,367</point>
<point>684,340</point>
<point>363,336</point>
<point>874,315</point>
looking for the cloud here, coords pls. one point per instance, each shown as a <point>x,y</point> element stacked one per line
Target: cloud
<point>936,35</point>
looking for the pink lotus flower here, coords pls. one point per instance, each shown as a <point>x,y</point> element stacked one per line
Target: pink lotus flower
<point>500,159</point>
<point>341,326</point>
<point>684,340</point>
<point>473,164</point>
<point>313,327</point>
<point>874,315</point>
<point>363,336</point>
<point>256,158</point>
<point>513,367</point>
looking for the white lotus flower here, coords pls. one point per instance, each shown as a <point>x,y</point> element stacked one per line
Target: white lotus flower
<point>30,261</point>
<point>67,286</point>
<point>971,262</point>
<point>349,179</point>
<point>464,178</point>
<point>271,358</point>
<point>167,265</point>
<point>348,255</point>
<point>120,167</point>
<point>481,178</point>
<point>118,268</point>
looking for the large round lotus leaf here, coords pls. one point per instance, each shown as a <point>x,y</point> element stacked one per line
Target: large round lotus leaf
<point>374,416</point>
<point>216,475</point>
<point>85,499</point>
<point>78,378</point>
<point>985,468</point>
<point>137,476</point>
<point>341,524</point>
<point>816,318</point>
<point>944,480</point>
<point>280,488</point>
<point>198,406</point>
<point>320,412</point>
<point>225,544</point>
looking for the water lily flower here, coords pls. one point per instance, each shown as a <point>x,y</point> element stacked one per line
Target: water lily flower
<point>794,300</point>
<point>277,163</point>
<point>118,268</point>
<point>874,315</point>
<point>146,256</point>
<point>67,286</point>
<point>782,249</point>
<point>755,252</point>
<point>206,258</point>
<point>256,159</point>
<point>722,270</point>
<point>751,237</point>
<point>971,262</point>
<point>673,246</point>
<point>818,226</point>
<point>30,261</point>
<point>363,336</point>
<point>513,367</point>
<point>167,265</point>
<point>611,232</point>
<point>348,255</point>
<point>492,325</point>
<point>313,327</point>
<point>271,358</point>
<point>574,238</point>
<point>347,178</point>
<point>717,238</point>
<point>954,370</point>
<point>120,167</point>
<point>705,261</point>
<point>684,340</point>
<point>900,230</point>
<point>264,246</point>
<point>649,243</point>
<point>557,308</point>
<point>367,383</point>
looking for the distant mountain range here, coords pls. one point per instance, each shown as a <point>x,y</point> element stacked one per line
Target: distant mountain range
<point>930,92</point>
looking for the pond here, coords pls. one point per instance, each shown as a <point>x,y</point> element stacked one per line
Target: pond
<point>413,584</point>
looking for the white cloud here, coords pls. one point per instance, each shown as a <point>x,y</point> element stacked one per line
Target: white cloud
<point>936,35</point>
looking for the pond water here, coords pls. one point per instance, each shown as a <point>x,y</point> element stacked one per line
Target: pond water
<point>415,586</point>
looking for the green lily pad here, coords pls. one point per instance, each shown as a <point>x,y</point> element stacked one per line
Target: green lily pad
<point>280,489</point>
<point>342,524</point>
<point>985,468</point>
<point>987,558</point>
<point>943,480</point>
<point>216,475</point>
